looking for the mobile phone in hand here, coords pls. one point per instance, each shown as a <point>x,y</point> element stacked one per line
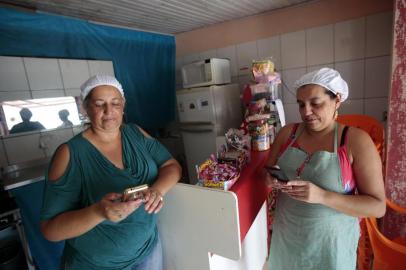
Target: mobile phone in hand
<point>134,193</point>
<point>278,174</point>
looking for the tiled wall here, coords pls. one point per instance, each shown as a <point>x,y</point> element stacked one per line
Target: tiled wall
<point>359,49</point>
<point>30,78</point>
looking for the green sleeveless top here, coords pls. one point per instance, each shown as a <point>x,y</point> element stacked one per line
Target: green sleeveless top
<point>88,177</point>
<point>310,236</point>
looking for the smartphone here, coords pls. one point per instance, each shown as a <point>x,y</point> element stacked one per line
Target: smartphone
<point>134,193</point>
<point>278,174</point>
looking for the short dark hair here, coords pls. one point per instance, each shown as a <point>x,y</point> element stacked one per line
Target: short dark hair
<point>331,94</point>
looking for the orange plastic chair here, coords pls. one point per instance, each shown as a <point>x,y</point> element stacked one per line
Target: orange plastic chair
<point>376,130</point>
<point>369,124</point>
<point>388,254</point>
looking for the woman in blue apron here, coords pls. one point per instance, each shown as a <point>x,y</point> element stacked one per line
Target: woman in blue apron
<point>335,177</point>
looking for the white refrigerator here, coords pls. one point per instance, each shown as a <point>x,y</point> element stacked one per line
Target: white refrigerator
<point>205,115</point>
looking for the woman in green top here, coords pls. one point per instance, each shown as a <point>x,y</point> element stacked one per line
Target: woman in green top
<point>335,177</point>
<point>85,182</point>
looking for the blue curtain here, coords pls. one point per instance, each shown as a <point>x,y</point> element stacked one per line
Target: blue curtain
<point>143,62</point>
<point>46,254</point>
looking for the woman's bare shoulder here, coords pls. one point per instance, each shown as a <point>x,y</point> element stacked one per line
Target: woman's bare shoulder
<point>358,135</point>
<point>359,140</point>
<point>59,162</point>
<point>285,131</point>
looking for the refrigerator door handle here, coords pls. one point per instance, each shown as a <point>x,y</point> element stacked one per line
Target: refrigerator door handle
<point>197,127</point>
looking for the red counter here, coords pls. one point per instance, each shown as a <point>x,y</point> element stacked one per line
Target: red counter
<point>251,191</point>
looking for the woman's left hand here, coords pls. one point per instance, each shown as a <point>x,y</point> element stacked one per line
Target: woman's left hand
<point>304,191</point>
<point>153,200</point>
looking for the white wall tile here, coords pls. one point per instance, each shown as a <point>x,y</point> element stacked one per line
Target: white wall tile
<point>243,80</point>
<point>293,50</point>
<point>190,58</point>
<point>72,92</point>
<point>21,148</point>
<point>246,53</point>
<point>178,70</point>
<point>14,95</point>
<point>270,48</point>
<point>208,54</point>
<point>379,34</point>
<point>376,107</point>
<point>52,139</point>
<point>47,93</point>
<point>12,74</point>
<point>3,156</point>
<point>352,106</point>
<point>320,45</point>
<point>289,77</point>
<point>317,67</point>
<point>377,77</point>
<point>74,72</point>
<point>349,40</point>
<point>100,67</point>
<point>292,114</point>
<point>353,73</point>
<point>43,74</point>
<point>230,53</point>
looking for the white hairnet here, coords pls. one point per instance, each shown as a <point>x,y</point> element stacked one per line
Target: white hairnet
<point>327,78</point>
<point>98,80</point>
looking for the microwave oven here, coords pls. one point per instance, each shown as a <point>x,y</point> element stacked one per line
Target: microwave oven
<point>206,72</point>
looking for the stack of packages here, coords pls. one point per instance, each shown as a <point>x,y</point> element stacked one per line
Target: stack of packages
<point>264,115</point>
<point>223,171</point>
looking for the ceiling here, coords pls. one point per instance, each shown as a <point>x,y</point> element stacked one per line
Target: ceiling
<point>163,16</point>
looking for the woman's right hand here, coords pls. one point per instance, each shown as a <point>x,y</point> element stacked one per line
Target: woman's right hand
<point>112,208</point>
<point>271,181</point>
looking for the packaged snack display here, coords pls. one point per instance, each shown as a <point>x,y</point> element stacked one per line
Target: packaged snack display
<point>264,115</point>
<point>235,158</point>
<point>259,132</point>
<point>262,70</point>
<point>217,175</point>
<point>236,139</point>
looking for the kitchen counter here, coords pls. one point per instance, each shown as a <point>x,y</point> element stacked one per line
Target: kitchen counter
<point>23,174</point>
<point>251,191</point>
<point>230,226</point>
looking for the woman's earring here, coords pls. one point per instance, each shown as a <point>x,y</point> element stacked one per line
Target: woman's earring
<point>336,115</point>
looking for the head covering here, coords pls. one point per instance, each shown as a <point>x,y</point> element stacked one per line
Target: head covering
<point>327,78</point>
<point>98,80</point>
